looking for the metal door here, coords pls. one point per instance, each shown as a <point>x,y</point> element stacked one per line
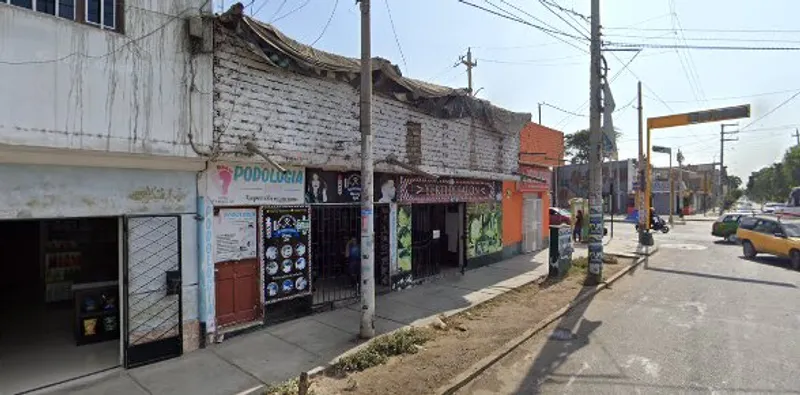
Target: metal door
<point>152,289</point>
<point>531,224</point>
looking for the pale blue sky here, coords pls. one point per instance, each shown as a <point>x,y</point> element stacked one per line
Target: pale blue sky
<point>519,66</point>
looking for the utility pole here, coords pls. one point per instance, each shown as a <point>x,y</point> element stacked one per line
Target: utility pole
<point>680,183</point>
<point>470,64</point>
<point>367,328</point>
<point>722,140</point>
<point>595,275</point>
<point>640,196</point>
<point>795,135</point>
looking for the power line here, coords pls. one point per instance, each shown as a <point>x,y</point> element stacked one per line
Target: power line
<point>581,32</point>
<point>735,97</point>
<point>698,47</point>
<point>396,39</point>
<point>721,39</point>
<point>298,8</point>
<point>644,29</point>
<point>280,8</point>
<point>766,114</point>
<point>261,7</point>
<point>109,53</point>
<point>566,10</point>
<point>551,32</point>
<point>328,23</point>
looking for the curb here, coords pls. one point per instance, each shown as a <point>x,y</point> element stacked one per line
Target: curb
<point>487,362</point>
<point>319,370</point>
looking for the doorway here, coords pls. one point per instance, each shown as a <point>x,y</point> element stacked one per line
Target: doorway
<point>59,300</point>
<point>437,238</point>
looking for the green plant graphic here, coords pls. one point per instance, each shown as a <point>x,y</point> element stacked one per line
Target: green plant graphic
<point>404,238</point>
<point>485,232</point>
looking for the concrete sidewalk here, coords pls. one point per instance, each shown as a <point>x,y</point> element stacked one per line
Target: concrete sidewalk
<point>277,353</point>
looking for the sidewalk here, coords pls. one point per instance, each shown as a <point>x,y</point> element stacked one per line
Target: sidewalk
<point>281,352</point>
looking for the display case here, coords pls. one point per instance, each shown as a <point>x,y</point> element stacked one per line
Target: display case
<point>96,312</point>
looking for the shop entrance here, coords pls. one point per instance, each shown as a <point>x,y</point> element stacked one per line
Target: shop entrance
<point>437,238</point>
<point>59,300</point>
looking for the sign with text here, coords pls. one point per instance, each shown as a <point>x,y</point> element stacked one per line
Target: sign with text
<point>235,234</point>
<point>254,184</point>
<point>534,179</point>
<point>445,190</point>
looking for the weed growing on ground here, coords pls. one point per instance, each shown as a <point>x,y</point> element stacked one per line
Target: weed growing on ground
<point>289,387</point>
<point>405,341</point>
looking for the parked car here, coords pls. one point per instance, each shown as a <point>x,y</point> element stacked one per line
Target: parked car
<point>559,216</point>
<point>726,226</point>
<point>771,207</point>
<point>771,235</point>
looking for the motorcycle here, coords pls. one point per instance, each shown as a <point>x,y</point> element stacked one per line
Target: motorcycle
<point>657,225</point>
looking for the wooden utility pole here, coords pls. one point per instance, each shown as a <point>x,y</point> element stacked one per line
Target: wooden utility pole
<point>722,140</point>
<point>367,327</point>
<point>470,64</point>
<point>640,195</point>
<point>595,215</point>
<point>795,135</point>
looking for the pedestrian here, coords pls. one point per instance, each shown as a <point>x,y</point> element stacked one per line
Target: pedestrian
<point>576,230</point>
<point>353,253</point>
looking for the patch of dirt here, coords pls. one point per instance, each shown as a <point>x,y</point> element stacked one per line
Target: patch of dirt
<point>469,336</point>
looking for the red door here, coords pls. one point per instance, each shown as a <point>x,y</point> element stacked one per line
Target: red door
<point>237,297</point>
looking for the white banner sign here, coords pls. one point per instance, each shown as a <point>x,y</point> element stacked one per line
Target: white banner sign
<point>237,184</point>
<point>235,234</point>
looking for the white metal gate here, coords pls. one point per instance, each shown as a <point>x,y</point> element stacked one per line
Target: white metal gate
<point>531,224</point>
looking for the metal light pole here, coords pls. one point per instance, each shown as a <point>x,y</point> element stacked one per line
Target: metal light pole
<point>595,216</point>
<point>367,328</point>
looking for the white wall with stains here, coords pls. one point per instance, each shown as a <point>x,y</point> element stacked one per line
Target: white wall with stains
<point>313,122</point>
<point>70,85</point>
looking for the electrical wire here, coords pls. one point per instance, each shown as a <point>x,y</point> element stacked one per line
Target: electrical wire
<point>768,113</point>
<point>298,8</point>
<point>583,32</point>
<point>746,31</point>
<point>280,8</point>
<point>260,7</point>
<point>720,39</point>
<point>697,47</point>
<point>396,39</point>
<point>328,23</point>
<point>115,50</point>
<point>567,10</point>
<point>692,67</point>
<point>735,97</point>
<point>553,28</point>
<point>550,32</point>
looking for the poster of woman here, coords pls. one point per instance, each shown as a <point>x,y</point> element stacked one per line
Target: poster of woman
<point>316,189</point>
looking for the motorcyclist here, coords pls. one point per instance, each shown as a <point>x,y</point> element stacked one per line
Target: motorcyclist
<point>654,218</point>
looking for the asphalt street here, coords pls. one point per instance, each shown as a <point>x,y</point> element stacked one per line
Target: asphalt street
<point>695,318</point>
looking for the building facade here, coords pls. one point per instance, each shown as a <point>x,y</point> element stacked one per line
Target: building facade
<point>99,193</point>
<point>281,243</point>
<point>573,181</point>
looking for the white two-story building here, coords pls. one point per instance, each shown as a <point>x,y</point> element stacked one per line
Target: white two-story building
<point>101,102</point>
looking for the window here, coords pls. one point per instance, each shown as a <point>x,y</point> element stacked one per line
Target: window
<point>748,222</point>
<point>100,13</point>
<point>731,218</point>
<point>766,227</point>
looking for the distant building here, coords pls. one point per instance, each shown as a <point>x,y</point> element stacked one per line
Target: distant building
<point>573,181</point>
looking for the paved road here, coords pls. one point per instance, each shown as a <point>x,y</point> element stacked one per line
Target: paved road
<point>697,318</point>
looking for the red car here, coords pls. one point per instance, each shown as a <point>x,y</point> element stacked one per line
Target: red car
<point>559,216</point>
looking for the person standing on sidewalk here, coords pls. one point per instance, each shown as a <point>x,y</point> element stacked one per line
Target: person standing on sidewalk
<point>578,226</point>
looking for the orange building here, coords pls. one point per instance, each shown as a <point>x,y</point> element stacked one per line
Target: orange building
<point>526,204</point>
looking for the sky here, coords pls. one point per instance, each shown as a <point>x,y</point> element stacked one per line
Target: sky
<point>520,66</point>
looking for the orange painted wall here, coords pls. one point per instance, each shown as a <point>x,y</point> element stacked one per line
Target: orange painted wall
<point>538,138</point>
<point>512,214</point>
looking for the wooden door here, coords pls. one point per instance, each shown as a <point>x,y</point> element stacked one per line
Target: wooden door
<point>237,298</point>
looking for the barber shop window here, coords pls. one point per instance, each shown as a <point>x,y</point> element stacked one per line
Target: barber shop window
<point>104,14</point>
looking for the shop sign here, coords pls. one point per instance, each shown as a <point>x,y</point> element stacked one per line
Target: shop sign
<point>445,190</point>
<point>345,187</point>
<point>230,184</point>
<point>235,234</point>
<point>538,179</point>
<point>287,253</point>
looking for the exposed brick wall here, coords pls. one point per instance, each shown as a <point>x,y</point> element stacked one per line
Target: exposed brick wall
<point>313,122</point>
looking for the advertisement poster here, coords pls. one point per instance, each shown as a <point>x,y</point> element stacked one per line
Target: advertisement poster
<point>237,184</point>
<point>404,246</point>
<point>485,226</point>
<point>235,234</point>
<point>287,254</point>
<point>383,254</point>
<point>345,187</point>
<point>538,179</point>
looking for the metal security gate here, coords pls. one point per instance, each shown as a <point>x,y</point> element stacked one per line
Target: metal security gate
<point>332,226</point>
<point>531,224</point>
<point>427,251</point>
<point>152,289</point>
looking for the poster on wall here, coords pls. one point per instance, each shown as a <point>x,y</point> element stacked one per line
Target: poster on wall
<point>403,278</point>
<point>332,187</point>
<point>383,255</point>
<point>287,255</point>
<point>385,188</point>
<point>237,184</point>
<point>538,179</point>
<point>235,234</point>
<point>484,227</point>
<point>444,190</point>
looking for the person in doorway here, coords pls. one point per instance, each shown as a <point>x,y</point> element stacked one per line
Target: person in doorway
<point>578,226</point>
<point>353,253</point>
